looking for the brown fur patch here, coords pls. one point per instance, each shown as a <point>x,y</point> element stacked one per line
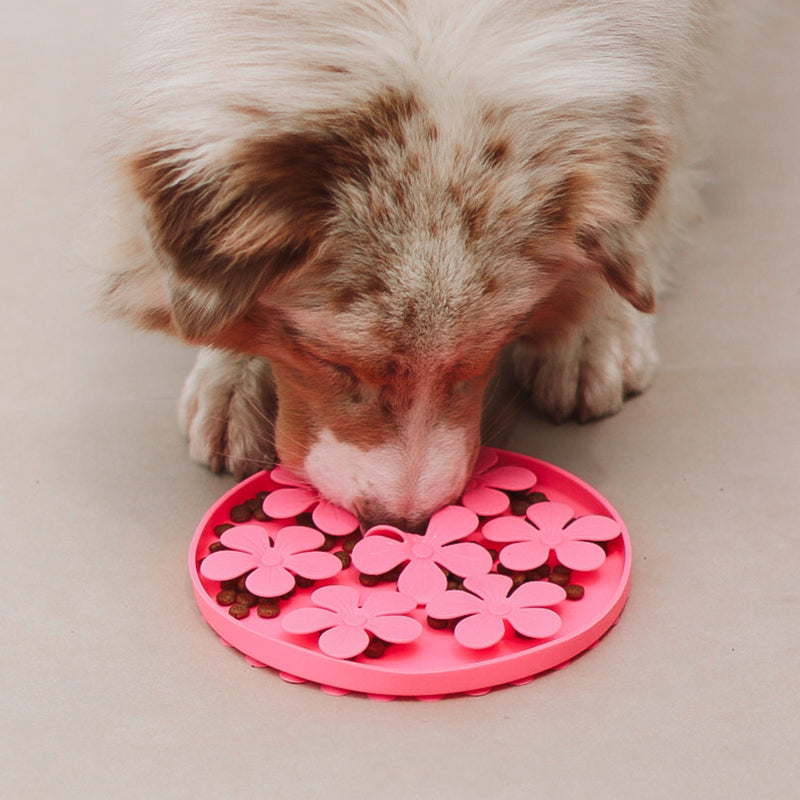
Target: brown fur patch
<point>496,152</point>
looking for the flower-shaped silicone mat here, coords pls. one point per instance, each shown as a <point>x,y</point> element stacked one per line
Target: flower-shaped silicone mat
<point>438,661</point>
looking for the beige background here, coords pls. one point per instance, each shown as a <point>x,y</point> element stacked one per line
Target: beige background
<point>112,685</point>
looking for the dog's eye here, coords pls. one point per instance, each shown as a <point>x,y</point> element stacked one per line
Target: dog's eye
<point>340,372</point>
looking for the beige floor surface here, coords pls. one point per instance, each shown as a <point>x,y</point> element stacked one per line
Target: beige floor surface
<point>112,685</point>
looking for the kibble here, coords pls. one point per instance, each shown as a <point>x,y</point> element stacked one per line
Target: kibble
<point>303,583</point>
<point>226,597</point>
<point>349,542</point>
<point>344,557</point>
<point>268,609</point>
<point>215,547</point>
<point>246,599</point>
<point>260,514</point>
<point>368,580</point>
<point>519,505</point>
<point>239,611</point>
<point>220,529</point>
<point>241,513</point>
<point>574,591</point>
<point>329,543</point>
<point>558,578</point>
<point>538,574</point>
<point>438,624</point>
<point>375,649</point>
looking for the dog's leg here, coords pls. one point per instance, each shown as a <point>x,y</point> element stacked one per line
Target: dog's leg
<point>591,371</point>
<point>227,411</point>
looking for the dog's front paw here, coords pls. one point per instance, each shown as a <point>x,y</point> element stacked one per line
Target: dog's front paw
<point>227,411</point>
<point>590,374</point>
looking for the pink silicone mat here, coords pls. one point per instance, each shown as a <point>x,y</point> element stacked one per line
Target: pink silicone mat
<point>530,569</point>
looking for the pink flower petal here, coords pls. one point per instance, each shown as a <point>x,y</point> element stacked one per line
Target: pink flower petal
<point>270,581</point>
<point>583,556</point>
<point>485,501</point>
<point>480,631</point>
<point>309,620</point>
<point>450,524</point>
<point>283,476</point>
<point>421,579</point>
<point>339,599</point>
<point>521,556</point>
<point>593,528</point>
<point>333,519</point>
<point>375,555</point>
<point>537,593</point>
<point>224,565</point>
<point>452,604</point>
<point>286,503</point>
<point>387,602</point>
<point>464,559</point>
<point>250,538</point>
<point>508,529</point>
<point>395,629</point>
<point>492,588</point>
<point>315,565</point>
<point>549,516</point>
<point>510,478</point>
<point>535,623</point>
<point>343,641</point>
<point>297,539</point>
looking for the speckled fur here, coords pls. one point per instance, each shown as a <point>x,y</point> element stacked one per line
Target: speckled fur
<point>379,196</point>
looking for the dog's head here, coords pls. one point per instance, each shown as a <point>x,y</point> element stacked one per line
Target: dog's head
<point>381,258</point>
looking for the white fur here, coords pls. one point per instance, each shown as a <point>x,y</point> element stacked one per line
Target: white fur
<point>583,92</point>
<point>412,478</point>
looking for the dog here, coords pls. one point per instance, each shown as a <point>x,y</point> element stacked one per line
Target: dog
<point>355,207</point>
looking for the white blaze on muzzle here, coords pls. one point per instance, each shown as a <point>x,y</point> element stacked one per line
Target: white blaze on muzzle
<point>399,480</point>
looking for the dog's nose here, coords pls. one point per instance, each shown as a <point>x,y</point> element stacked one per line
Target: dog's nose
<point>371,515</point>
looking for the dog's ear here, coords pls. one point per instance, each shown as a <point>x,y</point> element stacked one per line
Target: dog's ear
<point>616,253</point>
<point>219,233</point>
<point>605,200</point>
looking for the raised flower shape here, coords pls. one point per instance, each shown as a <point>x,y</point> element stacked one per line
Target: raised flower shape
<point>551,528</point>
<point>297,497</point>
<point>347,624</point>
<point>274,553</point>
<point>487,606</point>
<point>481,494</point>
<point>385,547</point>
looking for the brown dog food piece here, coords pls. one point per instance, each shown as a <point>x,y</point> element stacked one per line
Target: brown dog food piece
<point>558,578</point>
<point>368,580</point>
<point>220,529</point>
<point>375,649</point>
<point>241,513</point>
<point>226,597</point>
<point>519,505</point>
<point>344,557</point>
<point>350,541</point>
<point>329,543</point>
<point>538,574</point>
<point>215,547</point>
<point>438,624</point>
<point>574,591</point>
<point>268,609</point>
<point>239,611</point>
<point>246,599</point>
<point>303,583</point>
<point>260,514</point>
